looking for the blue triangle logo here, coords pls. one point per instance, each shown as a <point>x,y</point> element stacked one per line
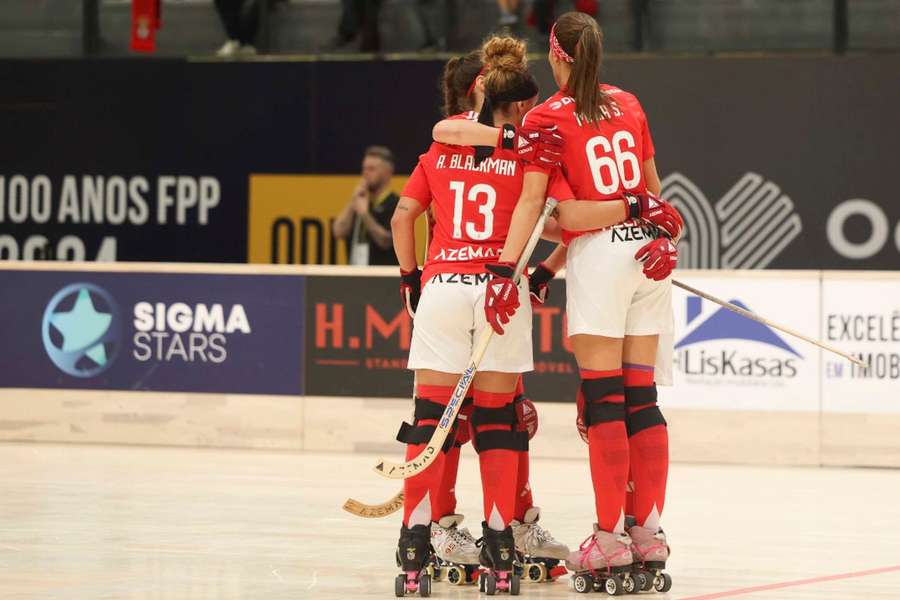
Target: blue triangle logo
<point>726,325</point>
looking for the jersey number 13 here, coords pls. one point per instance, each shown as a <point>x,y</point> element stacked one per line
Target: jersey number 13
<point>485,198</point>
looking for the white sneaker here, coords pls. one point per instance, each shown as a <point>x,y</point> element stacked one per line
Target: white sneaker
<point>452,544</point>
<point>534,540</point>
<point>229,48</point>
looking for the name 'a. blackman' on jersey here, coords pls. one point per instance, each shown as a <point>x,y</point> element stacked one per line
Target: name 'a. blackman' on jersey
<point>472,204</point>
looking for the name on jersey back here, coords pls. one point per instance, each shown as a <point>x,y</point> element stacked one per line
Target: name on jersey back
<point>466,162</point>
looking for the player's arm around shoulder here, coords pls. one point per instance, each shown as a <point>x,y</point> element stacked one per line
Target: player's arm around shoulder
<point>463,132</point>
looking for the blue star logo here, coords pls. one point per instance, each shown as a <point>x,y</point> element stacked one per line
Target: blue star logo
<point>81,330</point>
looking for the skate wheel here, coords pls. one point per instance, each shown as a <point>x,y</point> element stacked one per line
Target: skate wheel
<point>456,575</point>
<point>583,583</point>
<point>425,586</point>
<point>537,572</point>
<point>644,581</point>
<point>663,583</point>
<point>631,585</point>
<point>481,583</point>
<point>400,585</point>
<point>490,584</point>
<point>613,586</point>
<point>514,584</point>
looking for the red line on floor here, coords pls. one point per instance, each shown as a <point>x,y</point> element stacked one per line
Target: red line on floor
<point>798,582</point>
<point>337,362</point>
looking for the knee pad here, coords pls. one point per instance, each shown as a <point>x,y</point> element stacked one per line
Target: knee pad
<point>646,413</point>
<point>503,431</point>
<point>598,405</point>
<point>463,423</point>
<point>425,418</point>
<point>527,415</point>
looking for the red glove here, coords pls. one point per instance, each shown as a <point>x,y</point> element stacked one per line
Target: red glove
<point>501,299</point>
<point>655,210</point>
<point>541,146</point>
<point>410,289</point>
<point>538,284</point>
<point>659,257</point>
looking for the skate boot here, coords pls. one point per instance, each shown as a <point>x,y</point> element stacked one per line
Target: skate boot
<point>455,551</point>
<point>414,557</point>
<point>538,551</point>
<point>603,562</point>
<point>498,554</point>
<point>650,552</point>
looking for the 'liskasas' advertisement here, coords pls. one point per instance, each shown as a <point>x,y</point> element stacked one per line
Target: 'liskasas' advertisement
<point>153,332</point>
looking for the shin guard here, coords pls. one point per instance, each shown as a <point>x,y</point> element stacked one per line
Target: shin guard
<point>421,492</point>
<point>649,443</point>
<point>499,441</point>
<point>603,414</point>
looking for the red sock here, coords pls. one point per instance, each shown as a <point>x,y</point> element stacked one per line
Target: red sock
<point>604,400</point>
<point>446,499</point>
<point>498,444</point>
<point>524,501</point>
<point>422,492</point>
<point>649,443</point>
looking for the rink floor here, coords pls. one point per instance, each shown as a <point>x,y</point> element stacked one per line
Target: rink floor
<point>119,522</point>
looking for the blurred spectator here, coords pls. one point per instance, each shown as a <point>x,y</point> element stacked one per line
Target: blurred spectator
<point>366,220</point>
<point>241,21</point>
<point>359,18</point>
<point>509,12</point>
<point>437,19</point>
<point>543,15</point>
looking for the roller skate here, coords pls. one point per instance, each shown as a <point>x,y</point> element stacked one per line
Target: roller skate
<point>538,551</point>
<point>455,551</point>
<point>603,562</point>
<point>414,557</point>
<point>650,553</point>
<point>498,554</point>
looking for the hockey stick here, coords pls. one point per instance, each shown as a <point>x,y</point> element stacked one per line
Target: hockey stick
<point>407,469</point>
<point>755,317</point>
<point>374,511</point>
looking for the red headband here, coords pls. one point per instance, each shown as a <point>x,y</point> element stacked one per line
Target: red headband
<point>474,81</point>
<point>557,48</point>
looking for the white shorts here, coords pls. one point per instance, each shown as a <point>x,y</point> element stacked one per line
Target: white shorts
<point>450,318</point>
<point>607,292</point>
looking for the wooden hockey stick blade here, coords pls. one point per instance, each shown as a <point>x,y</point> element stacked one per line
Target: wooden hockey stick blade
<point>759,319</point>
<point>374,511</point>
<point>404,470</point>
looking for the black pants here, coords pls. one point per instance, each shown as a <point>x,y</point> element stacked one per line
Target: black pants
<point>361,17</point>
<point>240,18</point>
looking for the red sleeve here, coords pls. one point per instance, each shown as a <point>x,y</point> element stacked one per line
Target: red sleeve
<point>537,117</point>
<point>417,187</point>
<point>646,140</point>
<point>558,187</point>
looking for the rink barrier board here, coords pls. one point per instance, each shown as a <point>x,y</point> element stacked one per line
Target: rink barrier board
<point>816,434</point>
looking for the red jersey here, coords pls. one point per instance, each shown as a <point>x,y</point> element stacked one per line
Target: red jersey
<point>601,160</point>
<point>472,205</point>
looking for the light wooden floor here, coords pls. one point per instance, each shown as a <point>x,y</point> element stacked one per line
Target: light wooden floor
<point>107,522</point>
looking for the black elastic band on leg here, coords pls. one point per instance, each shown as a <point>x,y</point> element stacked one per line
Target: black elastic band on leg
<point>639,396</point>
<point>597,389</point>
<point>421,434</point>
<point>596,408</point>
<point>644,419</point>
<point>501,439</point>
<point>505,415</point>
